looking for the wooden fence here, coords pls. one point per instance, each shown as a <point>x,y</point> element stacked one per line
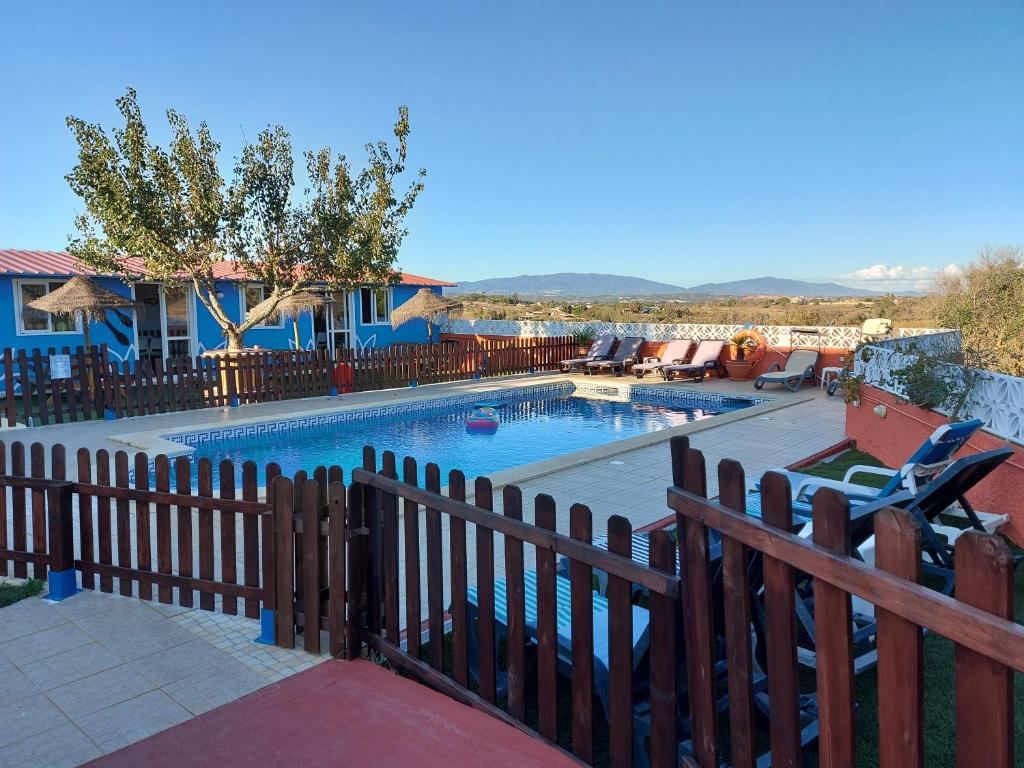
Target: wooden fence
<point>711,643</point>
<point>97,387</point>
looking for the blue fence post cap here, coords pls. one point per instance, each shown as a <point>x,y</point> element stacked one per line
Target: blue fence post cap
<point>268,634</point>
<point>62,584</point>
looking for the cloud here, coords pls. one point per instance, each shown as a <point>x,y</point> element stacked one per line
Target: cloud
<point>898,277</point>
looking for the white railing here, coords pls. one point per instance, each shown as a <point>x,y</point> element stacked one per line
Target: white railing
<point>996,399</point>
<point>831,337</point>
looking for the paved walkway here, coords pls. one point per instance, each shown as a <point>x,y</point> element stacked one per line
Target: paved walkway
<point>89,675</point>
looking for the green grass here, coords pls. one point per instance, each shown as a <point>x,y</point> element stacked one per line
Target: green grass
<point>836,469</point>
<point>12,593</point>
<point>939,693</point>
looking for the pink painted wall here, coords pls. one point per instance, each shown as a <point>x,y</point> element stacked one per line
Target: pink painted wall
<point>905,427</point>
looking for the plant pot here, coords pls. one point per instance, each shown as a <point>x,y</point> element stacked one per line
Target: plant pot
<point>739,370</point>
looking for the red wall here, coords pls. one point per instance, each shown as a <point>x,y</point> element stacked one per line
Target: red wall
<point>905,427</point>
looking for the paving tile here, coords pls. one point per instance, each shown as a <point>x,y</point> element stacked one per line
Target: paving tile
<point>181,661</point>
<point>98,691</point>
<point>45,643</point>
<point>26,717</point>
<point>61,747</point>
<point>203,692</point>
<point>137,640</point>
<point>15,685</point>
<point>27,617</point>
<point>70,665</point>
<point>132,720</point>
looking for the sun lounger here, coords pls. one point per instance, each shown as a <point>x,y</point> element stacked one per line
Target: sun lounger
<point>626,355</point>
<point>799,367</point>
<point>930,458</point>
<point>599,350</point>
<point>676,352</point>
<point>705,358</point>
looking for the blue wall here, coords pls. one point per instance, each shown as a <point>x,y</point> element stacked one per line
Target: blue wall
<point>209,334</point>
<point>99,332</point>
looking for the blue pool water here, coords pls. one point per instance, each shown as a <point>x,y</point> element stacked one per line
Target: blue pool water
<point>541,427</point>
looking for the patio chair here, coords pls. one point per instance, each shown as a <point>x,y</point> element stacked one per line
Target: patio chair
<point>930,458</point>
<point>641,621</point>
<point>676,352</point>
<point>946,490</point>
<point>625,357</point>
<point>798,368</point>
<point>704,359</point>
<point>600,348</point>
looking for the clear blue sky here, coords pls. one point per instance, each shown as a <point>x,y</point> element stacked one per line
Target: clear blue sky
<point>679,141</point>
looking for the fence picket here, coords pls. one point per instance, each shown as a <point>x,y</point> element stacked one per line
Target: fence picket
<point>183,485</point>
<point>582,598</point>
<point>389,550</point>
<point>205,488</point>
<point>620,647</point>
<point>900,647</point>
<point>143,544</point>
<point>228,543</point>
<point>37,469</point>
<point>515,608</point>
<point>124,530</point>
<point>337,541</point>
<point>984,687</point>
<point>834,640</point>
<point>459,576</point>
<point>411,524</point>
<point>311,567</point>
<point>435,583</point>
<point>547,624</point>
<point>486,639</point>
<point>162,480</point>
<point>103,521</point>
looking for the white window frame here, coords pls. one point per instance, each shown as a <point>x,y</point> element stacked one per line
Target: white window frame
<point>19,328</point>
<point>243,304</point>
<point>373,305</point>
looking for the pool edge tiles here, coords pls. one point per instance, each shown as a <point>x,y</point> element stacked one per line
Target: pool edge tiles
<point>624,390</point>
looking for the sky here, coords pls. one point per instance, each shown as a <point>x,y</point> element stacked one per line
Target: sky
<point>873,143</point>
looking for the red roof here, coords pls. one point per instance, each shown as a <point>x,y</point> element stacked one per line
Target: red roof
<point>59,263</point>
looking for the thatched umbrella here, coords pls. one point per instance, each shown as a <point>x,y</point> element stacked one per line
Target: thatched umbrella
<point>425,305</point>
<point>82,298</point>
<point>293,306</point>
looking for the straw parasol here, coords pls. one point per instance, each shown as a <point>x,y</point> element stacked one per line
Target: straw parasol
<point>293,306</point>
<point>82,298</point>
<point>425,305</point>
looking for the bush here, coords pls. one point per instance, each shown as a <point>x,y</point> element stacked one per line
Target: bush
<point>986,302</point>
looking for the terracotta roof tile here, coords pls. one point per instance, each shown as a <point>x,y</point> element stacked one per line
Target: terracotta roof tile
<point>59,263</point>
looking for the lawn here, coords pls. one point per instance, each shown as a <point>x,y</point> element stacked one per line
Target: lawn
<point>939,703</point>
<point>12,593</point>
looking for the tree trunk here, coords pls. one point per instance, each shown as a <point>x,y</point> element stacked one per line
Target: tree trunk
<point>235,339</point>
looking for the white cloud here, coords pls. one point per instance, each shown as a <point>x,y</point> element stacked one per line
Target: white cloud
<point>897,276</point>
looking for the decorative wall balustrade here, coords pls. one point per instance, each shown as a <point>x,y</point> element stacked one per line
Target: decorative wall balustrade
<point>832,337</point>
<point>996,399</point>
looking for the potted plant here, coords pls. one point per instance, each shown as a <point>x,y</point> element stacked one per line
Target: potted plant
<point>746,349</point>
<point>584,337</point>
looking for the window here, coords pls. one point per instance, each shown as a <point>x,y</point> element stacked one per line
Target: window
<point>375,304</point>
<point>253,294</point>
<point>35,320</point>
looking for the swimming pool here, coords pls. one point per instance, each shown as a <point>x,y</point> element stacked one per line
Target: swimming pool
<point>536,423</point>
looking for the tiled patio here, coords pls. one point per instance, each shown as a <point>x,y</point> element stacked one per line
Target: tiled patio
<point>96,672</point>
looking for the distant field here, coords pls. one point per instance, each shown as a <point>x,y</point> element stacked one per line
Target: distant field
<point>904,311</point>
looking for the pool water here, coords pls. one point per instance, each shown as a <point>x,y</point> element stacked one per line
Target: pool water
<point>530,430</point>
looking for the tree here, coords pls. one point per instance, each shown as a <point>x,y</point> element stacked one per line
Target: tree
<point>167,213</point>
<point>986,302</point>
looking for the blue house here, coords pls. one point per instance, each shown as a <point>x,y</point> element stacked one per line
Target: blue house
<point>172,321</point>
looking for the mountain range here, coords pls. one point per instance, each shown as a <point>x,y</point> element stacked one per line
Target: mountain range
<point>590,284</point>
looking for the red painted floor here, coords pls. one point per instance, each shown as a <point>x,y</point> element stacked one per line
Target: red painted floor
<point>340,713</point>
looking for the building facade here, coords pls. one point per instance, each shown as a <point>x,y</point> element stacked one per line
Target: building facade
<point>172,321</point>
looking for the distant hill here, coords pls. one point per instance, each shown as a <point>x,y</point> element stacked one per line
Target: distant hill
<point>778,286</point>
<point>589,284</point>
<point>569,284</point>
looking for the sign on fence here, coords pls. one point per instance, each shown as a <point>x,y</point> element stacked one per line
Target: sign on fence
<point>60,366</point>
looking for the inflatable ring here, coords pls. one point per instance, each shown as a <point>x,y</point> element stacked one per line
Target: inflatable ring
<point>761,346</point>
<point>483,420</point>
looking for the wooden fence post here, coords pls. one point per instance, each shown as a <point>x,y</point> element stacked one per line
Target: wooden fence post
<point>357,563</point>
<point>900,646</point>
<point>834,641</point>
<point>62,577</point>
<point>284,552</point>
<point>984,688</point>
<point>9,403</point>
